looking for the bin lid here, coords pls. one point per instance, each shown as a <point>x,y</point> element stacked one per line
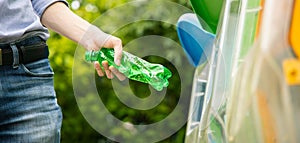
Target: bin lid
<point>196,42</point>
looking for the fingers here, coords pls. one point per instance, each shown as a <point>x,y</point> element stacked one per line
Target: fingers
<point>118,74</point>
<point>110,71</point>
<point>107,71</point>
<point>116,43</point>
<point>118,51</point>
<point>98,69</point>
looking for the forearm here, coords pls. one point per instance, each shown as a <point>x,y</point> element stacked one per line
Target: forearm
<point>62,20</point>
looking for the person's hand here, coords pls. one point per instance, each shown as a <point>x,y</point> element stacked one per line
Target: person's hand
<point>95,39</point>
<point>62,20</point>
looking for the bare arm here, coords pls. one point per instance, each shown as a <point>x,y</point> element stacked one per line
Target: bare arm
<point>62,20</point>
<point>59,18</point>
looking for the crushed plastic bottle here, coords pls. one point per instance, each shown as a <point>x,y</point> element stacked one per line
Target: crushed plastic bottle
<point>134,67</point>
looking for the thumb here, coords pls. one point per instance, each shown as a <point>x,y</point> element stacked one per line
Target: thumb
<point>116,44</point>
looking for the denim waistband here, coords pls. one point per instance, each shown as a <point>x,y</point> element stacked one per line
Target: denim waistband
<point>23,51</point>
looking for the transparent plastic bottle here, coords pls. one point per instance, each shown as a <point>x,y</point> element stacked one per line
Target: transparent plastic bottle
<point>264,109</point>
<point>134,67</point>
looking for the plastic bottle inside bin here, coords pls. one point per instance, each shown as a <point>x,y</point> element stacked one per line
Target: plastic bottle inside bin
<point>263,97</point>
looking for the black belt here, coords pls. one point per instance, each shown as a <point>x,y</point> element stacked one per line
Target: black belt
<point>30,49</point>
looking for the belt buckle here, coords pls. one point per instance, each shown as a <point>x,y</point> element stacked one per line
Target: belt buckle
<point>0,57</point>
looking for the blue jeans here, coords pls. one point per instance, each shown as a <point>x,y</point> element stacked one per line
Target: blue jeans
<point>29,112</point>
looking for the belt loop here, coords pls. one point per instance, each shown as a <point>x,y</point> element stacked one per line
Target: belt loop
<point>0,57</point>
<point>15,55</point>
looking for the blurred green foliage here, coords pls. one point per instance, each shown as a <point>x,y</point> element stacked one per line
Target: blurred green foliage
<point>75,128</point>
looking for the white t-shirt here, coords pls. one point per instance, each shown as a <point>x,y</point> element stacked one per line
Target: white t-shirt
<point>21,18</point>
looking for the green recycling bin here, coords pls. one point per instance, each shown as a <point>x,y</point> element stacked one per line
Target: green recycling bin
<point>208,11</point>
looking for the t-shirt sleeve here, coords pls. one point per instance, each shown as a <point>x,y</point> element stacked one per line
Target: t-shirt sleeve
<point>41,5</point>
